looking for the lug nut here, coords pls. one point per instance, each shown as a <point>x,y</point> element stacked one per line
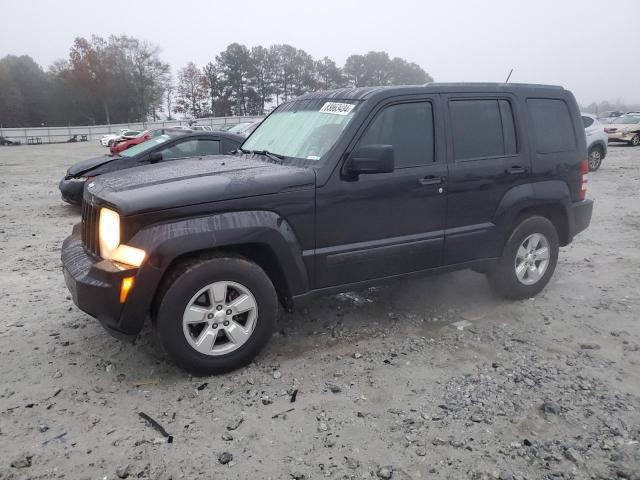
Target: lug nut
<point>210,316</point>
<point>219,307</point>
<point>226,323</point>
<point>229,312</point>
<point>215,325</point>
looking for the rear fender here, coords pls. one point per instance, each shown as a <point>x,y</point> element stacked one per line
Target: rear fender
<point>533,197</point>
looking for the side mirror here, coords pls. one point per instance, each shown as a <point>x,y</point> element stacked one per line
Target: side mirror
<point>155,157</point>
<point>371,159</point>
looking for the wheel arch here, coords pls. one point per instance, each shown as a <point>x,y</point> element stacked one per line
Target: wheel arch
<point>262,237</point>
<point>549,199</point>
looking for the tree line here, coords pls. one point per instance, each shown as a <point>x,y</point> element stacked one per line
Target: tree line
<point>122,79</point>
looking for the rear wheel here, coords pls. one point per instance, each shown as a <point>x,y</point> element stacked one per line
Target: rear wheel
<point>595,158</point>
<point>216,314</point>
<point>528,260</point>
<point>635,141</point>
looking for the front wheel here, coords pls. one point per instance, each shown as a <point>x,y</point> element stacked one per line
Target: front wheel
<point>528,260</point>
<point>635,141</point>
<point>216,314</point>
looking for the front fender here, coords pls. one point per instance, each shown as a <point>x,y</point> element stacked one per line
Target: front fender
<point>166,242</point>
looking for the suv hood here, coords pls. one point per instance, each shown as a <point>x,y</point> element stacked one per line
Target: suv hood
<point>89,164</point>
<point>192,181</point>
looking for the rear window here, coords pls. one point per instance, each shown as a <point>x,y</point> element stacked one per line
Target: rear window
<point>482,128</point>
<point>552,125</point>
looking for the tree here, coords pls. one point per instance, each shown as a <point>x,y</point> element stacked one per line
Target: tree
<point>193,91</point>
<point>168,91</point>
<point>24,91</point>
<point>262,79</point>
<point>354,70</point>
<point>328,74</point>
<point>236,68</point>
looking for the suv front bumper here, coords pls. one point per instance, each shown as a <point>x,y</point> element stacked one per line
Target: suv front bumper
<point>95,285</point>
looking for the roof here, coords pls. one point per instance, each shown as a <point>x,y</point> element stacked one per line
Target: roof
<point>362,93</point>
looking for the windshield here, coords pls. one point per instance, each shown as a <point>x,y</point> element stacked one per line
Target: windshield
<point>628,119</point>
<point>305,129</point>
<point>144,146</point>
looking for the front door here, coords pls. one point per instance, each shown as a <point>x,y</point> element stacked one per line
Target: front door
<point>381,225</point>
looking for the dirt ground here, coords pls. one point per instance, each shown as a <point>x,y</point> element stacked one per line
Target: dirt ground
<point>389,384</point>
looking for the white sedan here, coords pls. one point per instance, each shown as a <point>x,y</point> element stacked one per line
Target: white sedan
<point>111,138</point>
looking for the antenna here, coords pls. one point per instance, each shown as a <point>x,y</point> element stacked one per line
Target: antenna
<point>508,76</point>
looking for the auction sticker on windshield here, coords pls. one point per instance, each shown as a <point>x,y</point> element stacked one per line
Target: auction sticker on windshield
<point>337,108</point>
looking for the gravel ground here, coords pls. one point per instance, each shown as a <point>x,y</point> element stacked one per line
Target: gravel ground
<point>430,378</point>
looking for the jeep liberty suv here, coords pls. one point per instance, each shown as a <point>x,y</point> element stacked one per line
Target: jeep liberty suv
<point>334,191</point>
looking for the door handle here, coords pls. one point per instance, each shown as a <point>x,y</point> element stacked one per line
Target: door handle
<point>516,170</point>
<point>430,180</point>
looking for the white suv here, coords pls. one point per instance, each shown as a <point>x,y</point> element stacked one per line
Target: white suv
<point>596,140</point>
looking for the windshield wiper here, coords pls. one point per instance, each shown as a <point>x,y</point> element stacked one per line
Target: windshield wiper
<point>266,153</point>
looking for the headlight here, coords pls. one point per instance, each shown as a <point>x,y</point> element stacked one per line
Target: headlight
<point>109,235</point>
<point>109,232</point>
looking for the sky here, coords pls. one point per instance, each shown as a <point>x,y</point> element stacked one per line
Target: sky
<point>589,47</point>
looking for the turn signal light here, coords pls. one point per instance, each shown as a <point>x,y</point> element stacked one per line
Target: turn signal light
<point>125,288</point>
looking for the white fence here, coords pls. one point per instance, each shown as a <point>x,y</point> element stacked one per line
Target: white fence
<point>37,135</point>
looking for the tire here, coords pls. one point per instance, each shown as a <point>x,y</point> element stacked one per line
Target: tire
<point>595,158</point>
<point>635,141</point>
<point>182,290</point>
<point>504,279</point>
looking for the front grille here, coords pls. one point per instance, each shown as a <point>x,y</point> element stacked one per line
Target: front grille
<point>90,214</point>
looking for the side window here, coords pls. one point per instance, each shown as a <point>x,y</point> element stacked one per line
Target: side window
<point>184,149</point>
<point>408,127</point>
<point>208,147</point>
<point>482,128</point>
<point>552,125</point>
<point>587,121</point>
<point>508,128</point>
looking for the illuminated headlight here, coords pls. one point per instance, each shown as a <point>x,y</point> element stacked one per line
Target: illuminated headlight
<point>77,179</point>
<point>109,232</point>
<point>109,235</point>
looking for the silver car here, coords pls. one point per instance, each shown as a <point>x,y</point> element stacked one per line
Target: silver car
<point>596,140</point>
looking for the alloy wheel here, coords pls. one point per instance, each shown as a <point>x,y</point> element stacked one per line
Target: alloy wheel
<point>220,318</point>
<point>532,259</point>
<point>595,157</point>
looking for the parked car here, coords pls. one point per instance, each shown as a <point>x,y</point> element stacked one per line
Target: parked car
<point>202,128</point>
<point>609,116</point>
<point>155,151</point>
<point>125,143</point>
<point>245,129</point>
<point>625,128</point>
<point>596,141</point>
<point>8,141</point>
<point>333,191</point>
<point>111,138</point>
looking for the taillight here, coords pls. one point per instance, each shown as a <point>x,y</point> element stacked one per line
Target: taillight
<point>584,171</point>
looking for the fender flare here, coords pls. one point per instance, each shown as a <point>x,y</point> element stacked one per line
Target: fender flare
<point>538,195</point>
<point>166,242</point>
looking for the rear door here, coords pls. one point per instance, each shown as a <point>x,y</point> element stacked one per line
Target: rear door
<point>486,160</point>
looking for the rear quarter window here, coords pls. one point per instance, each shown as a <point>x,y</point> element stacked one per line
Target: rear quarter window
<point>552,125</point>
